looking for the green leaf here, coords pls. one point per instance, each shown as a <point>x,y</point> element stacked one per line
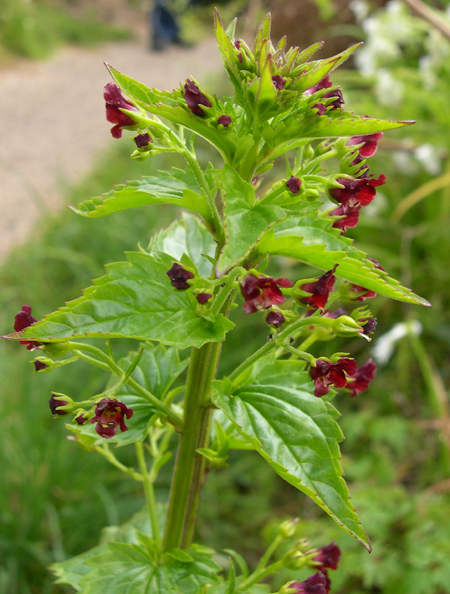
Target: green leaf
<point>187,236</point>
<point>176,187</point>
<point>315,242</point>
<point>296,434</point>
<point>128,568</point>
<point>134,300</point>
<point>157,370</point>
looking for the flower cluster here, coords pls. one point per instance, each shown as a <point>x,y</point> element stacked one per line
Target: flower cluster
<point>343,374</point>
<point>326,83</point>
<point>263,292</point>
<point>326,558</point>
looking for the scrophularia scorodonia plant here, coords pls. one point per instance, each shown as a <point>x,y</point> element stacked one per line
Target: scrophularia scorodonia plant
<point>174,298</point>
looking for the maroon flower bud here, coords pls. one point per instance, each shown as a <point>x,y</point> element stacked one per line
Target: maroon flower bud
<point>326,374</point>
<point>278,82</point>
<point>179,277</point>
<point>328,556</point>
<point>202,298</point>
<point>370,326</point>
<point>39,366</point>
<point>337,313</point>
<point>370,146</point>
<point>376,264</point>
<point>321,109</point>
<point>238,46</point>
<point>366,295</point>
<point>293,184</point>
<point>224,120</point>
<point>350,216</point>
<point>339,101</point>
<point>115,101</point>
<point>325,83</point>
<point>194,98</point>
<point>315,584</point>
<point>359,191</point>
<point>362,377</point>
<point>23,320</point>
<point>109,415</point>
<point>320,290</point>
<point>81,420</point>
<point>275,318</point>
<point>142,140</point>
<point>53,403</point>
<point>263,292</point>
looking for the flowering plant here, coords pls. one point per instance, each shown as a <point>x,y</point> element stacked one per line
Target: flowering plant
<point>178,292</point>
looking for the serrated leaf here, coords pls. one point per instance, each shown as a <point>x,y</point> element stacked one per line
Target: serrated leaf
<point>126,568</point>
<point>293,430</point>
<point>157,370</point>
<point>134,300</point>
<point>314,242</point>
<point>187,236</point>
<point>176,187</point>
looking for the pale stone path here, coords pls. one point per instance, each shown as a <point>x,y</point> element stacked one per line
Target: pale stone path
<point>52,122</point>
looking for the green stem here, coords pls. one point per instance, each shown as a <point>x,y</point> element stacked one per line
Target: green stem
<point>106,453</point>
<point>149,493</point>
<point>310,340</point>
<point>270,551</point>
<point>258,575</point>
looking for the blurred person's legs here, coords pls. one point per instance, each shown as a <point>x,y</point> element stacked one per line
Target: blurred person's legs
<point>164,27</point>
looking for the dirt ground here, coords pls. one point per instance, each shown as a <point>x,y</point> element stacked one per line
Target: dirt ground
<point>52,122</point>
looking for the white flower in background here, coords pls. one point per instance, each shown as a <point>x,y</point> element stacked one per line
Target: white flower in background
<point>385,345</point>
<point>405,163</point>
<point>360,9</point>
<point>390,91</point>
<point>428,156</point>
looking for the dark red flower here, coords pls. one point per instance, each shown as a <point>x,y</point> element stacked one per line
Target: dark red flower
<point>142,140</point>
<point>321,109</point>
<point>202,298</point>
<point>293,184</point>
<point>320,290</point>
<point>315,584</point>
<point>278,82</point>
<point>369,326</point>
<point>275,318</point>
<point>338,102</point>
<point>53,403</point>
<point>23,320</point>
<point>115,101</point>
<point>325,83</point>
<point>225,120</point>
<point>109,415</point>
<point>39,366</point>
<point>326,374</point>
<point>358,191</point>
<point>194,98</point>
<point>366,295</point>
<point>81,420</point>
<point>179,277</point>
<point>328,556</point>
<point>362,377</point>
<point>238,46</point>
<point>370,146</point>
<point>263,292</point>
<point>350,216</point>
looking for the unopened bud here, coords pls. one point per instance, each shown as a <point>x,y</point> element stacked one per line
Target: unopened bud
<point>287,528</point>
<point>42,364</point>
<point>55,349</point>
<point>346,326</point>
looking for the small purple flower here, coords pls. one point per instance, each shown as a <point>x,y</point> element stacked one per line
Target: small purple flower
<point>109,416</point>
<point>370,326</point>
<point>39,365</point>
<point>23,320</point>
<point>362,378</point>
<point>321,109</point>
<point>263,292</point>
<point>115,101</point>
<point>350,216</point>
<point>358,191</point>
<point>142,140</point>
<point>315,584</point>
<point>370,146</point>
<point>81,420</point>
<point>278,82</point>
<point>202,298</point>
<point>325,83</point>
<point>367,294</point>
<point>293,184</point>
<point>194,98</point>
<point>224,120</point>
<point>320,290</point>
<point>53,403</point>
<point>328,556</point>
<point>325,374</point>
<point>237,45</point>
<point>179,277</point>
<point>275,318</point>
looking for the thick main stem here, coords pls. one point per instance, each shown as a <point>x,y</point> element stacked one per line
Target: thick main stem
<point>190,467</point>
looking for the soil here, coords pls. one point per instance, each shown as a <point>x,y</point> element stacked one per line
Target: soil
<point>52,122</point>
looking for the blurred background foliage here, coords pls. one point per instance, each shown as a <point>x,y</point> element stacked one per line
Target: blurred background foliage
<point>55,498</point>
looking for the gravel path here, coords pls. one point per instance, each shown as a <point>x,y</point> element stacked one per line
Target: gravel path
<point>52,121</point>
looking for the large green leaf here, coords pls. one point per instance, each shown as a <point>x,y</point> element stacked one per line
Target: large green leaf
<point>315,242</point>
<point>297,433</point>
<point>176,187</point>
<point>157,370</point>
<point>186,236</point>
<point>130,569</point>
<point>134,300</point>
